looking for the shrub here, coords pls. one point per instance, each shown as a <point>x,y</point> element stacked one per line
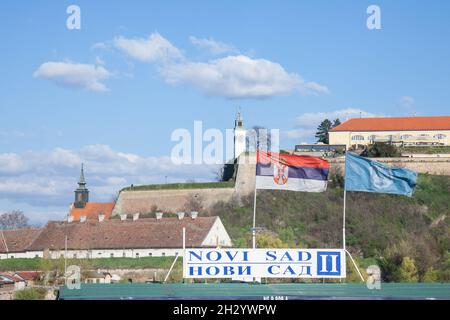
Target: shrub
<point>268,240</point>
<point>431,275</point>
<point>30,294</point>
<point>408,270</point>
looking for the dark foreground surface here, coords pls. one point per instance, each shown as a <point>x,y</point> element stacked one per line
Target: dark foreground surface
<point>244,291</point>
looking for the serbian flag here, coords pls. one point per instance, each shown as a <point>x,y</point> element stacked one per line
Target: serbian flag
<point>290,172</point>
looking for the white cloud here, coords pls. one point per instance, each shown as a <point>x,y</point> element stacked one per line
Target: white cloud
<point>10,163</point>
<point>100,46</point>
<point>239,77</point>
<point>153,49</point>
<point>75,75</point>
<point>213,46</point>
<point>99,61</point>
<point>407,102</point>
<point>234,76</point>
<point>307,123</point>
<point>47,179</point>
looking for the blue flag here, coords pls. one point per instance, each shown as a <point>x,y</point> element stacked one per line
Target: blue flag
<point>363,174</point>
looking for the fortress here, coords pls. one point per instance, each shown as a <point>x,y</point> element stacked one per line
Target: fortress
<point>241,180</point>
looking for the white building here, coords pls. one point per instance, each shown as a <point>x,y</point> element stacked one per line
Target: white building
<point>404,131</point>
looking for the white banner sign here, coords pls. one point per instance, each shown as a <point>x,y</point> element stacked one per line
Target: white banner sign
<point>264,263</point>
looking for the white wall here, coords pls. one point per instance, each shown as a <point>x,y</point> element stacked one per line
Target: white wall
<point>345,137</point>
<point>28,255</point>
<point>217,236</point>
<point>115,253</point>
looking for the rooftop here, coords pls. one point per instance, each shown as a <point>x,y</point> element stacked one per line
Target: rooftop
<point>118,234</point>
<point>395,124</point>
<point>17,240</point>
<point>92,210</point>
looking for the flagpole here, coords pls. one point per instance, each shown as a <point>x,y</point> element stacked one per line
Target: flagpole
<point>344,246</point>
<point>254,206</point>
<point>343,220</point>
<point>254,218</point>
<point>345,203</point>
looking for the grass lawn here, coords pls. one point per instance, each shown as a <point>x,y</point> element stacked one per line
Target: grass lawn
<point>193,185</point>
<point>19,264</point>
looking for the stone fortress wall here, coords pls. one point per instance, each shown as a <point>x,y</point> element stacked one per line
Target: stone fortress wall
<point>174,200</point>
<point>431,165</point>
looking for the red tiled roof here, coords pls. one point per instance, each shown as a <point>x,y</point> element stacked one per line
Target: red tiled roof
<point>117,234</point>
<point>28,275</point>
<point>17,240</point>
<point>395,124</point>
<point>92,210</point>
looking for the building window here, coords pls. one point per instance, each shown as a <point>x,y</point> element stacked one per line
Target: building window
<point>124,254</point>
<point>358,137</point>
<point>150,254</point>
<point>112,255</point>
<point>176,253</point>
<point>137,254</point>
<point>74,255</point>
<point>405,136</point>
<point>372,137</point>
<point>440,136</point>
<point>424,135</point>
<point>163,254</point>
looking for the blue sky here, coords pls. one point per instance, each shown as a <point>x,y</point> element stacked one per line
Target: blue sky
<point>145,68</point>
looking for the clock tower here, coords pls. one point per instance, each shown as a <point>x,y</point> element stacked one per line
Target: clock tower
<point>239,136</point>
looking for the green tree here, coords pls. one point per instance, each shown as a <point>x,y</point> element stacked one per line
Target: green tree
<point>382,150</point>
<point>322,131</point>
<point>336,122</point>
<point>324,127</point>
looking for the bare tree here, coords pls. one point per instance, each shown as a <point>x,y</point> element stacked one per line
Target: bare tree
<point>14,219</point>
<point>219,173</point>
<point>194,203</point>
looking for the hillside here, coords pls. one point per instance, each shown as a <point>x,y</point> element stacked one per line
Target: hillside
<point>409,238</point>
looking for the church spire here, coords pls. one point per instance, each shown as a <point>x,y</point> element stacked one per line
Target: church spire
<point>82,181</point>
<point>81,193</point>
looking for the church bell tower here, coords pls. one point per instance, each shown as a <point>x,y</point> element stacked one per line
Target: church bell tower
<point>81,193</point>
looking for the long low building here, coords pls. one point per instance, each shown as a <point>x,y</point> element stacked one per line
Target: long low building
<point>405,131</point>
<point>133,238</point>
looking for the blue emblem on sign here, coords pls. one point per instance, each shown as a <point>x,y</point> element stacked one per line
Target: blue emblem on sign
<point>328,263</point>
